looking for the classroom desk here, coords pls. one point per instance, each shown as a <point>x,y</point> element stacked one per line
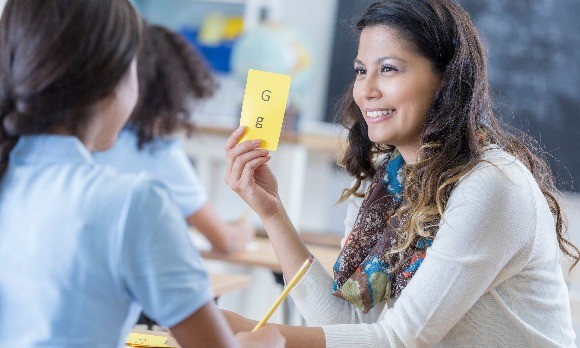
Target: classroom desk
<point>220,284</point>
<point>223,283</point>
<point>261,254</point>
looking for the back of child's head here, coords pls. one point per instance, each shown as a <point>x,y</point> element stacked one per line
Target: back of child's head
<point>172,74</point>
<point>57,59</point>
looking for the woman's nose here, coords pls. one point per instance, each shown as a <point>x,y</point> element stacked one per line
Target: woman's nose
<point>370,88</point>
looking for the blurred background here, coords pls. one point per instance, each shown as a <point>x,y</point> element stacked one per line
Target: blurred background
<point>534,61</point>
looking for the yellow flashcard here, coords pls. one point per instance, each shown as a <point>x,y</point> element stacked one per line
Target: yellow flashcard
<point>144,340</point>
<point>264,105</point>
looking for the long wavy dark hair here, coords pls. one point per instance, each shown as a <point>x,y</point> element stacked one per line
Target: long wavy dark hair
<point>57,59</point>
<point>171,74</point>
<point>443,32</point>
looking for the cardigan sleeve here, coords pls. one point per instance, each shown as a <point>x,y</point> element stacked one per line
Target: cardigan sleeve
<point>488,221</point>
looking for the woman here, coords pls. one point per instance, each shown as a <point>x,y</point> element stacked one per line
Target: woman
<point>457,241</point>
<point>79,243</point>
<point>171,74</point>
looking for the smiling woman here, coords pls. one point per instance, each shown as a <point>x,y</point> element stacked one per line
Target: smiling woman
<point>447,195</point>
<point>394,89</point>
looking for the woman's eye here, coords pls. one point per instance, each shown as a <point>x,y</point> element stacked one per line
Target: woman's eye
<point>388,68</point>
<point>360,71</point>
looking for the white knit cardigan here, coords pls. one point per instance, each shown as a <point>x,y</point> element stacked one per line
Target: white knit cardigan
<point>492,277</point>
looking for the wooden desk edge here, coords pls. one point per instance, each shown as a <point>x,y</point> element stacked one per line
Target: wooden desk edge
<point>312,238</point>
<point>324,253</point>
<point>332,144</point>
<point>234,259</point>
<point>223,283</point>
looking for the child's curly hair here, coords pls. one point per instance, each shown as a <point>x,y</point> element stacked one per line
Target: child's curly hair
<point>171,73</point>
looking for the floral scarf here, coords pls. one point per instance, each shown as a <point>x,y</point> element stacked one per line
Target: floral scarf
<point>362,272</point>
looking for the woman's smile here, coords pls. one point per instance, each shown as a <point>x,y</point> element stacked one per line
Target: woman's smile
<point>374,116</point>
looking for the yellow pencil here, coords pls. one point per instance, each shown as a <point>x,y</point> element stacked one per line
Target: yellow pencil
<point>299,274</point>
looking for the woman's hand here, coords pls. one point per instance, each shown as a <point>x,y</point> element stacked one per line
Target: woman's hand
<point>248,174</point>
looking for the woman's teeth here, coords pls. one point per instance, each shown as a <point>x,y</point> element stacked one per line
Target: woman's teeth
<point>374,114</point>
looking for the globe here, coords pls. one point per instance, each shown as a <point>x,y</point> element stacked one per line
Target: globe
<point>274,48</point>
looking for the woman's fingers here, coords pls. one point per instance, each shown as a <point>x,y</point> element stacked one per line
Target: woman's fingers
<point>240,162</point>
<point>233,154</point>
<point>234,138</point>
<point>239,149</point>
<point>247,176</point>
<point>232,143</point>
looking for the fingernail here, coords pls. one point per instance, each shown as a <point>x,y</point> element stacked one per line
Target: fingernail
<point>240,128</point>
<point>256,142</point>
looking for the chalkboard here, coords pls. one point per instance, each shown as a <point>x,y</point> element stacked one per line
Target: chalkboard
<point>534,70</point>
<point>344,51</point>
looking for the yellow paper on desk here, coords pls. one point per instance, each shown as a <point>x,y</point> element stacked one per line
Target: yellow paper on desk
<point>144,340</point>
<point>264,105</point>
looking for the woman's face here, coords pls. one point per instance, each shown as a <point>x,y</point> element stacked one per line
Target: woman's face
<point>394,88</point>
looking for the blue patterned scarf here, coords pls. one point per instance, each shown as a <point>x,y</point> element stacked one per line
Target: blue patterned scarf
<point>362,272</point>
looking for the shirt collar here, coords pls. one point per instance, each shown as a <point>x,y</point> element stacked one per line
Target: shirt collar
<point>50,148</point>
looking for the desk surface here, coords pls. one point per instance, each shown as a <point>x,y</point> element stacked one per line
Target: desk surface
<point>222,283</point>
<point>262,254</point>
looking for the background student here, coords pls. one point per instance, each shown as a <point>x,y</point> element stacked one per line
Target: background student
<point>80,245</point>
<point>172,76</point>
<point>458,238</point>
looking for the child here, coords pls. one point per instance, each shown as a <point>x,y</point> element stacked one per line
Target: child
<point>84,249</point>
<point>171,73</point>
